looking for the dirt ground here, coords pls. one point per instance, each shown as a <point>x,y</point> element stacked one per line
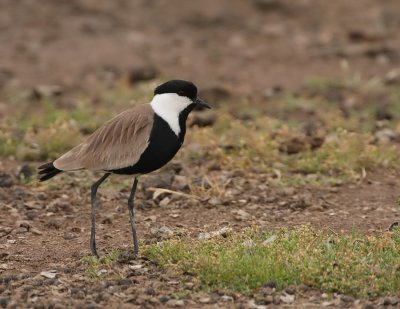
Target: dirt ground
<point>247,47</point>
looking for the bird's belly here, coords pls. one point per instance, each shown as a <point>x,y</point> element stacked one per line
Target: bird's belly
<point>149,161</point>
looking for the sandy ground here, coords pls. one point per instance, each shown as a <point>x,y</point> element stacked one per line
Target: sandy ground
<point>247,47</point>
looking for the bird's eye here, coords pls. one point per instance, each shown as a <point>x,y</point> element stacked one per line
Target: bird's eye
<point>181,93</point>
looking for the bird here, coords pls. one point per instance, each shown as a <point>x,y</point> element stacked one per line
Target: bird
<point>137,141</point>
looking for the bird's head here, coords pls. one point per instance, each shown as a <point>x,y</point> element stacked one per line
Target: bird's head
<point>177,96</point>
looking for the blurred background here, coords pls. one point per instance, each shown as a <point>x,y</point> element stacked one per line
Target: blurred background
<point>246,46</point>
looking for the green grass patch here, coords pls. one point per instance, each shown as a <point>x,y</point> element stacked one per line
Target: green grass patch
<point>94,266</point>
<point>352,263</point>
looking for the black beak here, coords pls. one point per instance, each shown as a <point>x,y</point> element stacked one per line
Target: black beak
<point>201,103</point>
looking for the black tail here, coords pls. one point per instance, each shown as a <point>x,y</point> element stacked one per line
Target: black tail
<point>47,171</point>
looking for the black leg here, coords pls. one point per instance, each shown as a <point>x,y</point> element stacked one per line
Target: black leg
<point>95,186</point>
<point>132,216</point>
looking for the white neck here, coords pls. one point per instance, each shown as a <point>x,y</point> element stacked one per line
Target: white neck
<point>168,106</point>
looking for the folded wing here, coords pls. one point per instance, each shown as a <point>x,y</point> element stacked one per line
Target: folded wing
<point>117,144</point>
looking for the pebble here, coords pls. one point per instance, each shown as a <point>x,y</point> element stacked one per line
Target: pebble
<point>181,183</point>
<point>135,267</point>
<point>270,240</point>
<point>203,119</point>
<point>269,299</point>
<point>226,298</point>
<point>205,300</point>
<point>46,91</point>
<point>175,303</point>
<point>347,299</point>
<point>385,136</point>
<point>287,298</point>
<point>164,298</point>
<point>214,201</point>
<point>248,243</point>
<point>270,284</point>
<point>6,180</point>
<point>165,201</point>
<point>163,232</point>
<point>242,215</point>
<point>189,285</point>
<point>251,304</point>
<point>50,274</point>
<point>215,93</point>
<point>142,73</point>
<point>224,232</point>
<point>69,235</point>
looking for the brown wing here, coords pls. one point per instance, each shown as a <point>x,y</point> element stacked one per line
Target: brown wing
<point>117,144</point>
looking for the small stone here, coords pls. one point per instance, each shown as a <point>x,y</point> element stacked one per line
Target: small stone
<point>293,145</point>
<point>70,235</point>
<point>394,300</point>
<point>6,76</point>
<point>102,272</point>
<point>270,284</point>
<point>393,77</point>
<point>385,136</point>
<point>46,91</point>
<point>50,274</point>
<point>226,298</point>
<point>290,291</point>
<point>287,298</point>
<point>24,171</point>
<point>150,291</point>
<point>268,291</point>
<point>368,306</point>
<point>4,302</point>
<point>154,301</point>
<point>269,299</point>
<point>347,299</point>
<point>383,113</point>
<point>267,5</point>
<point>135,267</point>
<point>165,201</point>
<point>248,243</point>
<point>205,300</point>
<point>107,219</point>
<point>175,303</point>
<point>203,119</point>
<point>224,232</point>
<point>143,73</point>
<point>36,231</point>
<point>215,93</point>
<point>53,224</point>
<point>251,304</point>
<point>242,215</point>
<point>269,240</point>
<point>6,180</point>
<point>181,183</point>
<point>162,233</point>
<point>214,201</point>
<point>164,298</point>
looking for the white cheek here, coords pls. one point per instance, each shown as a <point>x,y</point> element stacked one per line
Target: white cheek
<point>168,106</point>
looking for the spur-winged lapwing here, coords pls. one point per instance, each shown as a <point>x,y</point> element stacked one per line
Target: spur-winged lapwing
<point>135,142</point>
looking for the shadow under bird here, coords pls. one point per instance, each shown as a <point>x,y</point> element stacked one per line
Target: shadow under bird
<point>138,141</point>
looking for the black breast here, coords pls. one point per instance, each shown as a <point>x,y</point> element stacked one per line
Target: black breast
<point>163,146</point>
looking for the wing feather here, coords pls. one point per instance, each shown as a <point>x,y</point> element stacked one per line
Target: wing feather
<point>117,144</point>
